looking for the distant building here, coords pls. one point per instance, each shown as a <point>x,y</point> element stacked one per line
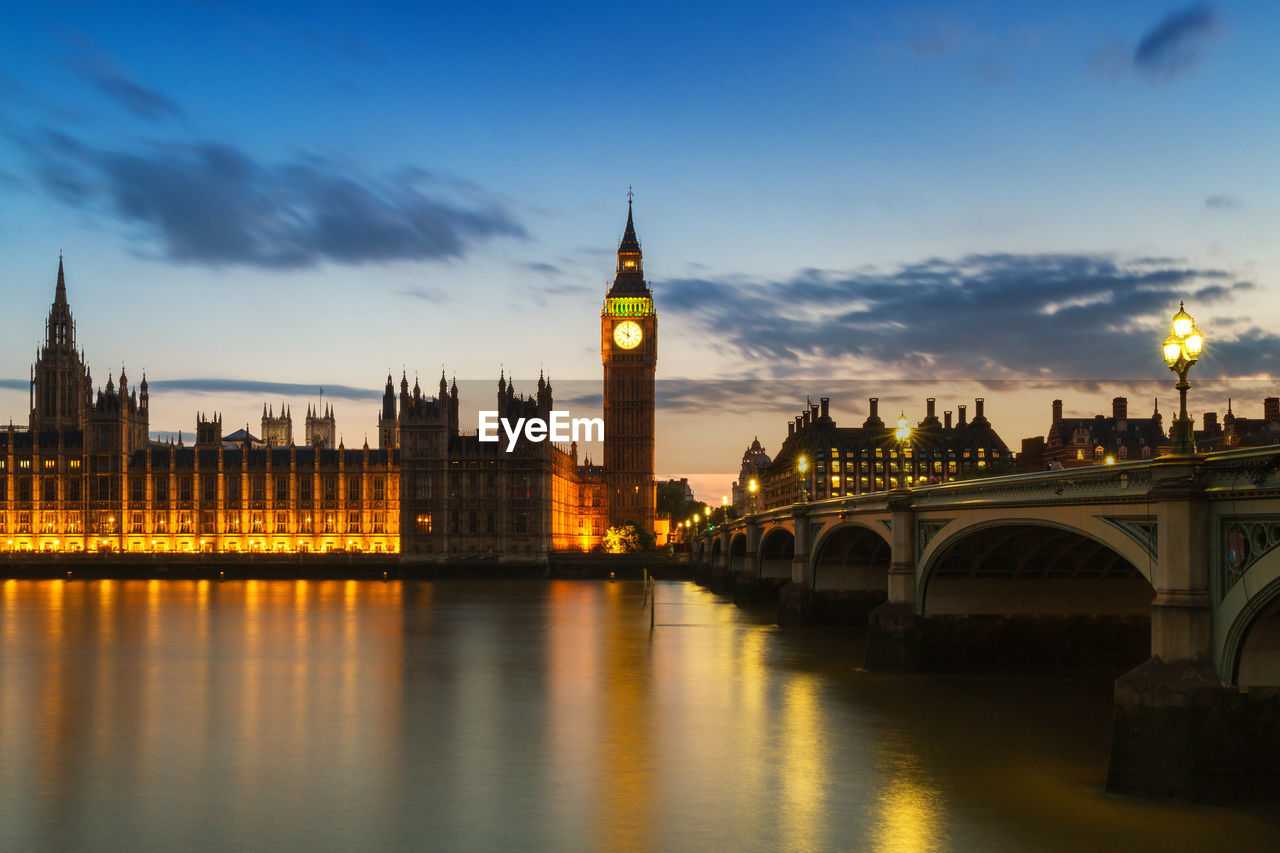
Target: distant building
<point>1078,442</point>
<point>1031,457</point>
<point>685,488</point>
<point>754,464</point>
<point>857,460</point>
<point>1240,432</point>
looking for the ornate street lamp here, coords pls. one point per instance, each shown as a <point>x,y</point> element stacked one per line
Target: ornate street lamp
<point>802,466</point>
<point>1181,350</point>
<point>753,486</point>
<point>903,435</point>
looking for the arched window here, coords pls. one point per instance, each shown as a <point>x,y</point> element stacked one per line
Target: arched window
<point>1146,452</point>
<point>1097,453</point>
<point>1124,452</point>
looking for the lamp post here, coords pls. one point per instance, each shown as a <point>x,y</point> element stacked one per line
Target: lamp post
<point>903,435</point>
<point>802,466</point>
<point>753,486</point>
<point>1181,350</point>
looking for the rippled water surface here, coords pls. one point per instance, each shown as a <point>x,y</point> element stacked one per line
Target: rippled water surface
<point>528,715</point>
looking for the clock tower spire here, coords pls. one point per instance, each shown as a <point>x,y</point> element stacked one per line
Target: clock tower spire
<point>629,350</point>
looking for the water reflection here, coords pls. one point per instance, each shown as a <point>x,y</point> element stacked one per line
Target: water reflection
<point>160,715</point>
<point>909,810</point>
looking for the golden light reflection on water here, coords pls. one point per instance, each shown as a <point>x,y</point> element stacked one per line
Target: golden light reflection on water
<point>540,717</point>
<point>908,818</point>
<point>626,760</point>
<point>804,790</point>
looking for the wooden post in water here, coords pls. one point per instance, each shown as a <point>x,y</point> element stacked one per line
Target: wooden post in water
<point>653,602</point>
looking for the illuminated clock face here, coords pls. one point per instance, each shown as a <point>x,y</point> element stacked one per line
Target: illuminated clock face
<point>627,334</point>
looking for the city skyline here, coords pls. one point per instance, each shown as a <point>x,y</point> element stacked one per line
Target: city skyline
<point>907,202</point>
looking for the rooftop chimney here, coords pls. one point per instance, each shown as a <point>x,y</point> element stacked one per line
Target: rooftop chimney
<point>946,423</point>
<point>791,427</point>
<point>1057,411</point>
<point>808,413</point>
<point>875,407</point>
<point>825,401</point>
<point>1120,408</point>
<point>977,408</point>
<point>928,408</point>
<point>961,420</point>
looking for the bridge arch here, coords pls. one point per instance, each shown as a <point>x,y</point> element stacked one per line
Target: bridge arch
<point>715,552</point>
<point>700,557</point>
<point>777,550</point>
<point>738,552</point>
<point>1248,625</point>
<point>1111,533</point>
<point>1030,566</point>
<point>852,555</point>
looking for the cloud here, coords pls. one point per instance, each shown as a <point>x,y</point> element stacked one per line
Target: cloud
<point>214,204</point>
<point>426,294</point>
<point>250,386</point>
<point>142,102</point>
<point>982,316</point>
<point>1222,201</point>
<point>1176,44</point>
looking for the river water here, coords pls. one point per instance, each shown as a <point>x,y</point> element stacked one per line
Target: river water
<point>529,715</point>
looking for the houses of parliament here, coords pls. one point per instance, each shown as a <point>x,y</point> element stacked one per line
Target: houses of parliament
<point>85,475</point>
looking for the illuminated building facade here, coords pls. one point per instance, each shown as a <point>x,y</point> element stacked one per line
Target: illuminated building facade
<point>85,475</point>
<point>856,460</point>
<point>466,498</point>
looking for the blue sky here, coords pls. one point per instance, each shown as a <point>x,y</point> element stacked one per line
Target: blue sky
<point>949,193</point>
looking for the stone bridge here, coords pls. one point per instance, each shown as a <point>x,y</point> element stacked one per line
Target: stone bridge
<point>1172,564</point>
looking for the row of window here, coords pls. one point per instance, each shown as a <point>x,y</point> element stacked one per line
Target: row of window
<point>470,522</point>
<point>107,522</point>
<point>1099,454</point>
<point>914,452</point>
<point>106,487</point>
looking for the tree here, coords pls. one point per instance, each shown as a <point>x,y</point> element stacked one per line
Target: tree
<point>627,538</point>
<point>670,498</point>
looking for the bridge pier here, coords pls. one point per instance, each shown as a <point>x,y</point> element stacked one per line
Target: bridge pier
<point>1177,730</point>
<point>894,628</point>
<point>795,599</point>
<point>748,585</point>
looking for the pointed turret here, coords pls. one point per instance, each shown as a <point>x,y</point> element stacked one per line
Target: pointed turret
<point>629,280</point>
<point>58,396</point>
<point>60,293</point>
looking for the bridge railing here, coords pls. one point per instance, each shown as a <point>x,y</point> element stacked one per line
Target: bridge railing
<point>1222,471</point>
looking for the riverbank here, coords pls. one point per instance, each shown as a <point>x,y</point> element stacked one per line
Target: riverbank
<point>332,566</point>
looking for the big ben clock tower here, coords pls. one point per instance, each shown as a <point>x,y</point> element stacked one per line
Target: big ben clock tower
<point>629,349</point>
